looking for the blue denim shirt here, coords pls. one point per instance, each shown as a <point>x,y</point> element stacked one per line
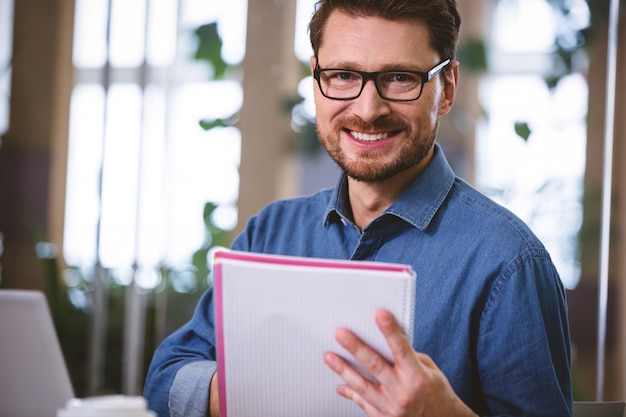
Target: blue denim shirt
<point>490,308</point>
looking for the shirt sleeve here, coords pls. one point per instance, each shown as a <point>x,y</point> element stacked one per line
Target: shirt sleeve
<point>180,372</point>
<point>523,341</point>
<point>189,393</point>
<point>177,383</point>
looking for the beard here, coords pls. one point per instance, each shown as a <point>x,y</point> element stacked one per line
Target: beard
<point>369,165</point>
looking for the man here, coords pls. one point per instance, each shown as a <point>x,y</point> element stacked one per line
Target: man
<point>491,333</point>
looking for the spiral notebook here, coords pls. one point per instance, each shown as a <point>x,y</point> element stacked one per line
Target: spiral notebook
<point>277,315</point>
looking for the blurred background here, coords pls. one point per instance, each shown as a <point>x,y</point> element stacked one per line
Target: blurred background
<point>138,135</point>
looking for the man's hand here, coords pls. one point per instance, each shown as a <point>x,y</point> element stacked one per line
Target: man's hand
<point>214,399</point>
<point>412,386</point>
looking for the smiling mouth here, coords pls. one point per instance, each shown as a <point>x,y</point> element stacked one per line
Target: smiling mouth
<point>369,137</point>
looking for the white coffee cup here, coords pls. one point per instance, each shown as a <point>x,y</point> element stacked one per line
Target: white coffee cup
<point>107,406</point>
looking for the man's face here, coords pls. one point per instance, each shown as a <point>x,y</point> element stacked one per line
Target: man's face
<point>370,138</point>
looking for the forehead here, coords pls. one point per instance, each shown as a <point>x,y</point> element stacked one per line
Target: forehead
<point>371,43</point>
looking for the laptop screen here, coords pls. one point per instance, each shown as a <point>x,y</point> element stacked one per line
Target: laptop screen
<point>33,374</point>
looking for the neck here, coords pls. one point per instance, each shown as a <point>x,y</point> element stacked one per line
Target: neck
<point>369,200</point>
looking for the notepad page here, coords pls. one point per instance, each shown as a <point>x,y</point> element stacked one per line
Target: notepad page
<point>277,322</point>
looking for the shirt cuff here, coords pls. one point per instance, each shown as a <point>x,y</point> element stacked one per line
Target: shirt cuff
<point>189,394</point>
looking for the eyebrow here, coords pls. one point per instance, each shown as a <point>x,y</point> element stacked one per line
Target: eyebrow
<point>390,67</point>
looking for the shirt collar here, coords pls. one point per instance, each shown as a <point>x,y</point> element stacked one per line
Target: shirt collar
<point>417,205</point>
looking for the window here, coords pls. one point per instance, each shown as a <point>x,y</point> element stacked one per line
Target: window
<point>6,40</point>
<point>141,167</point>
<point>531,146</point>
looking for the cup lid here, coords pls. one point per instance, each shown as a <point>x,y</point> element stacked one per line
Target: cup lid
<point>107,405</point>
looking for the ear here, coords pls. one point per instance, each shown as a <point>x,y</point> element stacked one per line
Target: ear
<point>313,63</point>
<point>450,82</point>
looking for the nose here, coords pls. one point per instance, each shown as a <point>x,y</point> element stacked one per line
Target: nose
<point>369,106</point>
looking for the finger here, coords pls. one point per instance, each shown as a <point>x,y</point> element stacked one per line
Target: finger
<point>347,392</point>
<point>365,393</point>
<point>371,360</point>
<point>214,399</point>
<point>375,395</point>
<point>399,344</point>
<point>351,376</point>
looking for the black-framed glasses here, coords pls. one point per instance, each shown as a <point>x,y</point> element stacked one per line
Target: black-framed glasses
<point>345,84</point>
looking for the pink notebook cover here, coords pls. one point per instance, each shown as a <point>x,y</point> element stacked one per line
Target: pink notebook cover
<point>226,256</point>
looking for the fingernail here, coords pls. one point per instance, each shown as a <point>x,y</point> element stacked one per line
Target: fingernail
<point>342,336</point>
<point>385,317</point>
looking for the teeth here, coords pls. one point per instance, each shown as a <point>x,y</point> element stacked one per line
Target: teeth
<point>368,137</point>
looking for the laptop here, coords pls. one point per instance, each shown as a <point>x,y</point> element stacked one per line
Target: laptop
<point>34,380</point>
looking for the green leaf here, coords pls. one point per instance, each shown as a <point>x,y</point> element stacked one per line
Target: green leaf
<point>473,55</point>
<point>210,48</point>
<point>208,124</point>
<point>523,130</point>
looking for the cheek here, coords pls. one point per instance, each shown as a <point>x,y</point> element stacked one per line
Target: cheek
<point>326,110</point>
<point>429,108</point>
<point>419,118</point>
<point>429,100</point>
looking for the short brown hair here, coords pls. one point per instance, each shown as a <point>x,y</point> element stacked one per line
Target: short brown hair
<point>441,17</point>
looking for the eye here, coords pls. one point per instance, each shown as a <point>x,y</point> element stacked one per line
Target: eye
<point>405,80</point>
<point>400,77</point>
<point>342,76</point>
